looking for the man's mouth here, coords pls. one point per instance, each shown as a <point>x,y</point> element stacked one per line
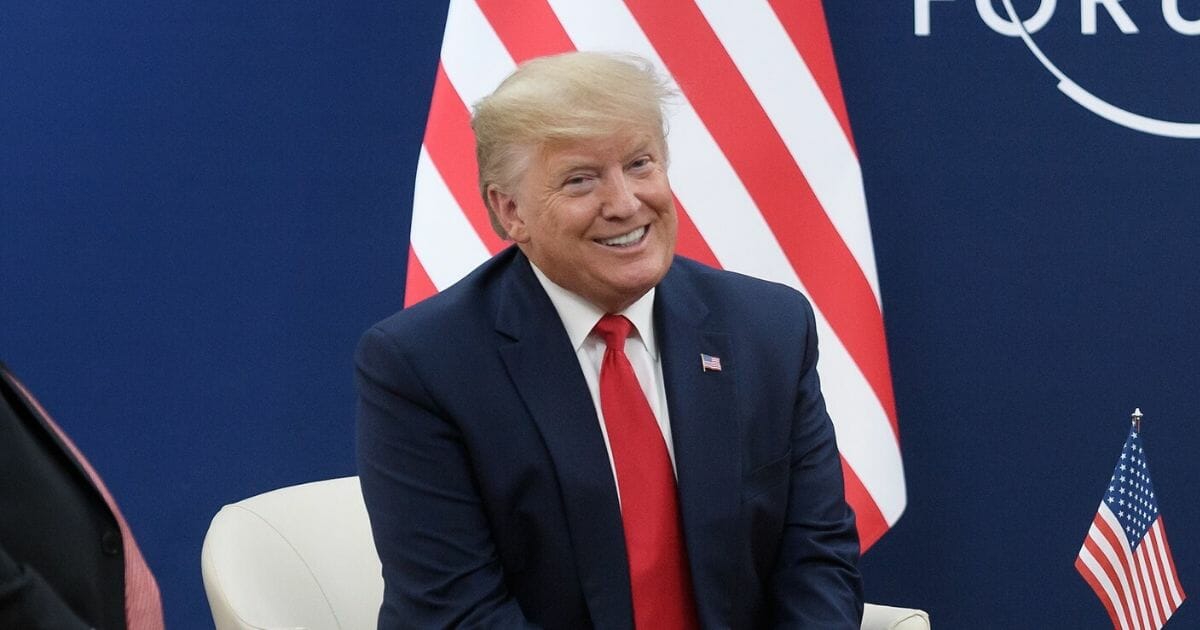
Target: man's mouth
<point>624,240</point>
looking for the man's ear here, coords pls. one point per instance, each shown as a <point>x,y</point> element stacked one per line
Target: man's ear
<point>505,207</point>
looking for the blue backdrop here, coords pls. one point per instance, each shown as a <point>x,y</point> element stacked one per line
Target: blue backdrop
<point>203,205</point>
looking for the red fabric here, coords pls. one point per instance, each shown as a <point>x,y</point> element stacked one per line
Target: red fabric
<point>143,604</point>
<point>658,571</point>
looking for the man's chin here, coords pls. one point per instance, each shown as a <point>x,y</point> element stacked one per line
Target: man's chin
<point>618,296</point>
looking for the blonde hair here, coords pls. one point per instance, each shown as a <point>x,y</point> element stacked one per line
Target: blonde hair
<point>562,98</point>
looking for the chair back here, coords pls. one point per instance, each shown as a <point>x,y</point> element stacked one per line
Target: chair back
<point>297,557</point>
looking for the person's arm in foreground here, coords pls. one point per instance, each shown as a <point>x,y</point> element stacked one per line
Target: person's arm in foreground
<point>27,601</point>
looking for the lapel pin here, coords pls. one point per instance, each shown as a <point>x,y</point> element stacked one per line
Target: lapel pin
<point>709,362</point>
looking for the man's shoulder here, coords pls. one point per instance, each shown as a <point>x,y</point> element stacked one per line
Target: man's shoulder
<point>462,315</point>
<point>473,298</point>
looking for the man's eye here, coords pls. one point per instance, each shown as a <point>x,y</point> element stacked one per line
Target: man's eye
<point>577,184</point>
<point>641,162</point>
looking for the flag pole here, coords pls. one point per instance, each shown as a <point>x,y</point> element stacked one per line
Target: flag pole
<point>1137,419</point>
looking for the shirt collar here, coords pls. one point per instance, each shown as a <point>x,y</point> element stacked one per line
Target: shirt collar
<point>579,316</point>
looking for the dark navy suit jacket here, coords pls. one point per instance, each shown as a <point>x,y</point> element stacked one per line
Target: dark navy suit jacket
<point>489,488</point>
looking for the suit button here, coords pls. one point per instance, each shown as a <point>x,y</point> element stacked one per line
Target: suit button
<point>110,543</point>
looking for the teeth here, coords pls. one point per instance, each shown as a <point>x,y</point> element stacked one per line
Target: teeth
<point>626,239</point>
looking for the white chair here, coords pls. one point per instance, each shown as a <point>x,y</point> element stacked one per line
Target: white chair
<point>878,617</point>
<point>297,557</point>
<point>303,557</point>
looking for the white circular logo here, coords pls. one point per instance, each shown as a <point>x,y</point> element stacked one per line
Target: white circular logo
<point>1090,101</point>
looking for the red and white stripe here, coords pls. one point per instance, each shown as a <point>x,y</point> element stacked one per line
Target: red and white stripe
<point>1139,588</point>
<point>763,166</point>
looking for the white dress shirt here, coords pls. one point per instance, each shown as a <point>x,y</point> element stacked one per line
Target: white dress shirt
<point>579,317</point>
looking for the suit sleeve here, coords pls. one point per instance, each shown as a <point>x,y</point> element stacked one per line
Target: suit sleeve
<point>440,566</point>
<point>28,601</point>
<point>816,583</point>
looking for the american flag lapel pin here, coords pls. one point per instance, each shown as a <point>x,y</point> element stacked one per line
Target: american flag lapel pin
<point>710,363</point>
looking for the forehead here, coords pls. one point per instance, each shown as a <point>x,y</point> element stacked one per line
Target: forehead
<point>568,153</point>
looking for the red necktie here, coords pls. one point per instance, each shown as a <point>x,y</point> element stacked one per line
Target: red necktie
<point>143,605</point>
<point>658,571</point>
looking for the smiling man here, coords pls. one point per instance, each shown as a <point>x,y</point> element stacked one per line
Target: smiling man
<point>588,431</point>
<point>596,217</point>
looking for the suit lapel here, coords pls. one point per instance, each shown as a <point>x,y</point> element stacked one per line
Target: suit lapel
<point>545,371</point>
<point>705,434</point>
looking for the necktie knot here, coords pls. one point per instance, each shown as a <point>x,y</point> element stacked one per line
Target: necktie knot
<point>614,329</point>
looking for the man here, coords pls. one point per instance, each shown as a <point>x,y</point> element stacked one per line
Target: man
<point>588,431</point>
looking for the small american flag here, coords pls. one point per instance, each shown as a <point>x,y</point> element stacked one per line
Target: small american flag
<point>1125,557</point>
<point>709,362</point>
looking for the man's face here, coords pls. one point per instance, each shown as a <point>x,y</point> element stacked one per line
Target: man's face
<point>597,217</point>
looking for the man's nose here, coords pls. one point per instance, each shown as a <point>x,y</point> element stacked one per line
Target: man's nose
<point>620,199</point>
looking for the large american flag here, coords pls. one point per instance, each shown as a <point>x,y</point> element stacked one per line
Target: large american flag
<point>763,166</point>
<point>1125,557</point>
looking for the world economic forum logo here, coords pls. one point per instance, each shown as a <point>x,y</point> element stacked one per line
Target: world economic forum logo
<point>1012,26</point>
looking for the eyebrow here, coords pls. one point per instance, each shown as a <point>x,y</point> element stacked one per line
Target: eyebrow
<point>573,162</point>
<point>643,145</point>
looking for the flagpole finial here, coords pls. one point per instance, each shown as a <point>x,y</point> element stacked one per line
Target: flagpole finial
<point>1137,419</point>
